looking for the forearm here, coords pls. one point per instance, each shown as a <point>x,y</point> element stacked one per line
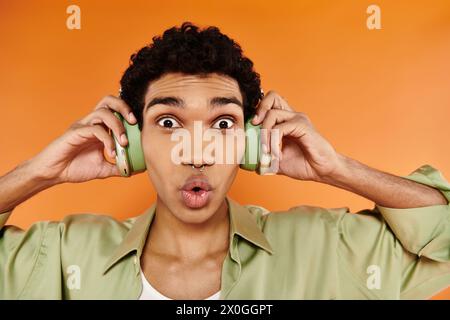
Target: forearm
<point>20,184</point>
<point>384,189</point>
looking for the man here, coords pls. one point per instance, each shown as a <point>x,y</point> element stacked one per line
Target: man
<point>197,243</point>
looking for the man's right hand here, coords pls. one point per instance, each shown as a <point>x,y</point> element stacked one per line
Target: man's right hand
<point>77,155</point>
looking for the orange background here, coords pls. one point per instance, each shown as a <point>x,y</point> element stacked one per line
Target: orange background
<point>381,96</point>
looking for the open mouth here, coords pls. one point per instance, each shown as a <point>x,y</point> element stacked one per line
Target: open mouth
<point>196,192</point>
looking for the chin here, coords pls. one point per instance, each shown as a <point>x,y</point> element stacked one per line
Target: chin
<point>189,216</point>
<point>196,215</point>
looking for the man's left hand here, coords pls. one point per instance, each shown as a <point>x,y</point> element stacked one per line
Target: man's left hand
<point>302,153</point>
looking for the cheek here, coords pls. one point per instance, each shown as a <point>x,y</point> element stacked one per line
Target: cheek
<point>226,174</point>
<point>159,166</point>
<point>226,148</point>
<point>157,150</point>
<point>235,147</point>
<point>240,147</point>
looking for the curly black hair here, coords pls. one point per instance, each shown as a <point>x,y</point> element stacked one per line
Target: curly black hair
<point>190,51</point>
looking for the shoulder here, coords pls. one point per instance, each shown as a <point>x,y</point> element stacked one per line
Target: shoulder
<point>82,235</point>
<point>300,214</point>
<point>90,224</point>
<point>74,223</point>
<point>76,229</point>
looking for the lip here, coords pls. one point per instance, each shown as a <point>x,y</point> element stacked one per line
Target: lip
<point>196,199</point>
<point>196,181</point>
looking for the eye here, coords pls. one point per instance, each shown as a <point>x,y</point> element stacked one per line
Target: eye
<point>223,123</point>
<point>168,122</point>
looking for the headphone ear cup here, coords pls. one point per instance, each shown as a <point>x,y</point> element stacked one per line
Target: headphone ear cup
<point>252,153</point>
<point>129,159</point>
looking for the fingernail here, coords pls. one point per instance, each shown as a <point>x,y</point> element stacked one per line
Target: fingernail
<point>123,137</point>
<point>132,117</point>
<point>265,160</point>
<point>255,119</point>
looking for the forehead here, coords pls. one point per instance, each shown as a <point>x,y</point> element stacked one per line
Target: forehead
<point>179,84</point>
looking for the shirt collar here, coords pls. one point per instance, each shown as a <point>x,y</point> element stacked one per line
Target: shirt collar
<point>242,223</point>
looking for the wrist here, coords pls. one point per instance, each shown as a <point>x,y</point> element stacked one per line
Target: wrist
<point>341,175</point>
<point>35,175</point>
<point>20,184</point>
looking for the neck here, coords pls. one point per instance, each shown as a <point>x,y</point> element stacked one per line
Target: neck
<point>171,236</point>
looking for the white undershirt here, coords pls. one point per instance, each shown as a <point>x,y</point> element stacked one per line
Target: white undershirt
<point>150,293</point>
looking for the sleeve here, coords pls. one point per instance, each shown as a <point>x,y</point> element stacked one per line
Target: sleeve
<point>400,253</point>
<point>4,216</point>
<point>19,251</point>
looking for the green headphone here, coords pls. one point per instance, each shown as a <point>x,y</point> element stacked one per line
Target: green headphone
<point>130,159</point>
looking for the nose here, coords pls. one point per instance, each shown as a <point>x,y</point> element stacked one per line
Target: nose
<point>198,152</point>
<point>198,160</point>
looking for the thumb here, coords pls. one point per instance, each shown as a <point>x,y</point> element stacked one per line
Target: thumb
<point>109,170</point>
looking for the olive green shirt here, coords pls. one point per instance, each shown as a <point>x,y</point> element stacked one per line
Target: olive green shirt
<point>305,252</point>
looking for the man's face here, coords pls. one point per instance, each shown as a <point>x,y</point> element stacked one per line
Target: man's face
<point>178,103</point>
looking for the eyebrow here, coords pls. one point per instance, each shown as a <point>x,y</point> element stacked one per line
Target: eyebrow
<point>179,103</point>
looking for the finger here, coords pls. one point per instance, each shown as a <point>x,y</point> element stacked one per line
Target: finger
<point>274,156</point>
<point>265,105</point>
<point>285,129</point>
<point>273,117</point>
<point>118,105</point>
<point>284,104</point>
<point>97,131</point>
<point>110,170</point>
<point>276,139</point>
<point>104,115</point>
<point>295,129</point>
<point>271,101</point>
